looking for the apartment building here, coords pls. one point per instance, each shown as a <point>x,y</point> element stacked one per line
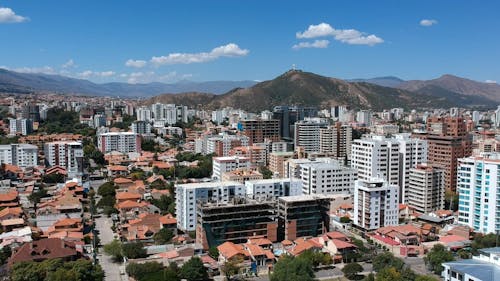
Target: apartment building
<point>221,165</point>
<point>67,154</point>
<point>478,189</point>
<point>336,140</point>
<point>20,126</point>
<point>426,192</point>
<point>258,131</point>
<point>124,142</point>
<point>19,154</point>
<point>187,196</point>
<point>277,162</point>
<point>375,204</point>
<point>307,134</point>
<point>327,178</point>
<point>266,189</point>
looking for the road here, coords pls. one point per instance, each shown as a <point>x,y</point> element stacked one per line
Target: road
<point>111,269</point>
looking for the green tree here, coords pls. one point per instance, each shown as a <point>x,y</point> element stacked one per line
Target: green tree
<point>388,274</point>
<point>134,250</point>
<point>56,270</point>
<point>138,270</point>
<point>114,249</point>
<point>266,173</point>
<point>193,270</point>
<point>289,268</point>
<point>425,278</point>
<point>345,219</point>
<point>5,253</point>
<point>231,268</point>
<point>351,270</point>
<point>164,236</point>
<point>369,277</point>
<point>436,257</point>
<point>107,189</point>
<point>386,260</point>
<point>213,252</point>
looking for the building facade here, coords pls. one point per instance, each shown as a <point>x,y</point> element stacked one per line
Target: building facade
<point>124,142</point>
<point>22,155</point>
<point>327,178</point>
<point>425,192</point>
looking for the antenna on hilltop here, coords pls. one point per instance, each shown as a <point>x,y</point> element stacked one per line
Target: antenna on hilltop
<point>294,67</point>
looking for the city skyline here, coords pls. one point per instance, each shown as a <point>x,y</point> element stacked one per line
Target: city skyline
<point>169,42</point>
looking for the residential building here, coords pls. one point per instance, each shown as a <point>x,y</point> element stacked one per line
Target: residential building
<point>425,192</point>
<point>289,115</point>
<point>141,127</point>
<point>144,114</point>
<point>336,140</point>
<point>266,189</point>
<point>124,142</point>
<point>187,196</point>
<point>20,126</point>
<point>277,161</point>
<point>303,215</point>
<point>484,267</point>
<point>67,154</point>
<point>221,165</point>
<point>448,141</point>
<point>258,131</point>
<point>235,222</point>
<point>241,176</point>
<point>327,178</point>
<point>307,134</point>
<point>478,181</point>
<point>364,117</point>
<point>19,154</point>
<point>375,204</point>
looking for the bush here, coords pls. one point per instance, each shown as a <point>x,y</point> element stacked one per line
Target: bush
<point>138,270</point>
<point>134,250</point>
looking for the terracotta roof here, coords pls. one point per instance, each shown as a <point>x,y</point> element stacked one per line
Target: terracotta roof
<point>67,222</point>
<point>260,241</point>
<point>255,250</point>
<point>452,238</point>
<point>229,250</point>
<point>15,211</point>
<point>342,244</point>
<point>128,196</point>
<point>43,249</point>
<point>168,219</point>
<point>129,204</point>
<point>12,222</point>
<point>122,180</point>
<point>9,196</point>
<point>67,234</point>
<point>286,242</point>
<point>337,235</point>
<point>117,168</point>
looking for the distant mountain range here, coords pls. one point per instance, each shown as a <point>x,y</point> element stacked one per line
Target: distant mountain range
<point>292,87</point>
<point>16,82</point>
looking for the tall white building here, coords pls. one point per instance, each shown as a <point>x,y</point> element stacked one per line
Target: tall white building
<point>273,188</point>
<point>375,204</point>
<point>141,127</point>
<point>187,196</point>
<point>221,165</point>
<point>68,155</point>
<point>426,192</point>
<point>22,155</point>
<point>124,142</point>
<point>388,158</point>
<point>307,134</point>
<point>144,114</point>
<point>20,126</point>
<point>364,117</point>
<point>327,178</point>
<point>336,140</point>
<point>478,186</point>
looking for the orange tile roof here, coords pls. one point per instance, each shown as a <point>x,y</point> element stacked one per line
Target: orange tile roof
<point>128,196</point>
<point>229,250</point>
<point>255,250</point>
<point>336,235</point>
<point>67,222</point>
<point>16,211</point>
<point>339,244</point>
<point>129,204</point>
<point>260,241</point>
<point>117,168</point>
<point>12,222</point>
<point>168,219</point>
<point>122,180</point>
<point>452,238</point>
<point>9,196</point>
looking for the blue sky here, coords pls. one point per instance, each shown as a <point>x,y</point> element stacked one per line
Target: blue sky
<point>169,41</point>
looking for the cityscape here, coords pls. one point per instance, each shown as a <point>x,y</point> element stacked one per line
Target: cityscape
<point>221,162</point>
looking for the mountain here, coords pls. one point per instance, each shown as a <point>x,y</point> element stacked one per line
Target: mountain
<point>16,82</point>
<point>386,81</point>
<point>451,85</point>
<point>304,88</point>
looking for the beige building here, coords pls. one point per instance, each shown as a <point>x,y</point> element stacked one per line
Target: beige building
<point>277,160</point>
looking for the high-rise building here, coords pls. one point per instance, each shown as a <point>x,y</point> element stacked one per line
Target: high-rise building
<point>141,127</point>
<point>124,142</point>
<point>307,134</point>
<point>479,192</point>
<point>225,164</point>
<point>375,204</point>
<point>289,115</point>
<point>187,196</point>
<point>22,155</point>
<point>327,178</point>
<point>336,140</point>
<point>258,131</point>
<point>277,161</point>
<point>31,111</point>
<point>68,155</point>
<point>144,114</point>
<point>447,140</point>
<point>273,188</point>
<point>364,117</point>
<point>388,158</point>
<point>20,126</point>
<point>425,192</point>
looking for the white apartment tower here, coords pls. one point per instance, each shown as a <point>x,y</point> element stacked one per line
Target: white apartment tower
<point>375,204</point>
<point>478,186</point>
<point>187,195</point>
<point>307,134</point>
<point>327,178</point>
<point>336,140</point>
<point>124,142</point>
<point>221,165</point>
<point>22,155</point>
<point>426,191</point>
<point>68,155</point>
<point>273,188</point>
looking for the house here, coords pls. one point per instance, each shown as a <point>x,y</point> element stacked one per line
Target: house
<point>11,213</point>
<point>406,234</point>
<point>123,183</point>
<point>125,196</point>
<point>168,221</point>
<point>117,171</point>
<point>49,248</point>
<point>142,228</point>
<point>9,199</point>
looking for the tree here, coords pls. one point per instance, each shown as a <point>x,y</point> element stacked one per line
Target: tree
<point>386,260</point>
<point>425,278</point>
<point>345,219</point>
<point>289,268</point>
<point>5,253</point>
<point>351,270</point>
<point>114,249</point>
<point>164,236</point>
<point>193,270</point>
<point>213,252</point>
<point>232,267</point>
<point>138,270</point>
<point>56,270</point>
<point>388,274</point>
<point>107,189</point>
<point>53,178</point>
<point>464,254</point>
<point>134,250</point>
<point>436,257</point>
<point>369,277</point>
<point>266,173</point>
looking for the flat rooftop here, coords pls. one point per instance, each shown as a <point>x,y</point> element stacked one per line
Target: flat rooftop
<point>479,269</point>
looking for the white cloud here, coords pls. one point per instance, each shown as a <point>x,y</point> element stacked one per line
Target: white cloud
<point>428,22</point>
<point>490,81</point>
<point>135,63</point>
<point>316,44</point>
<point>348,36</point>
<point>9,16</point>
<point>69,64</point>
<point>229,50</point>
<point>90,73</point>
<point>43,69</point>
<point>151,76</point>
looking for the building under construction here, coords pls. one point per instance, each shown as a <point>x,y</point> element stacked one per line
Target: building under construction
<point>303,215</point>
<point>235,221</point>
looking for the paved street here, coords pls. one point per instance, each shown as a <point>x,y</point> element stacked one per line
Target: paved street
<point>111,269</point>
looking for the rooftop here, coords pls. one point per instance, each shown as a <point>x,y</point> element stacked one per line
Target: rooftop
<point>479,269</point>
